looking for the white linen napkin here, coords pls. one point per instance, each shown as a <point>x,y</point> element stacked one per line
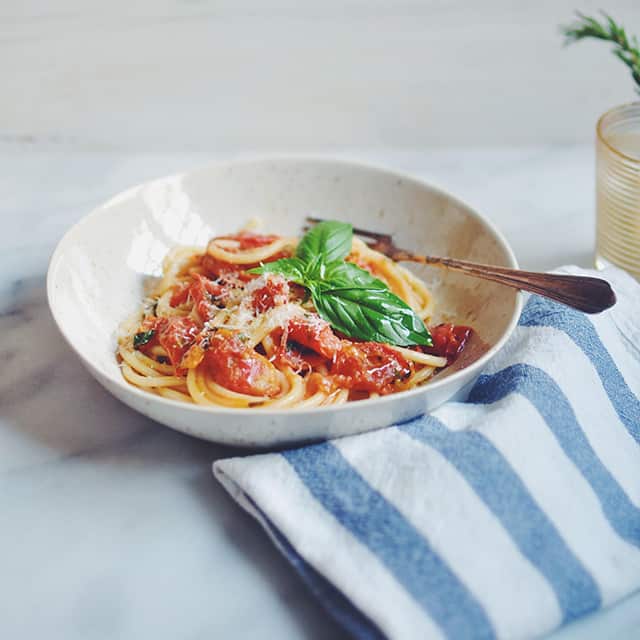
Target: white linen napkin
<point>504,516</point>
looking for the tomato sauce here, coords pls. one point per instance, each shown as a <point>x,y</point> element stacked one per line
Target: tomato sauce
<point>179,295</point>
<point>315,334</point>
<point>246,241</point>
<point>358,366</point>
<point>317,382</point>
<point>274,293</point>
<point>238,367</point>
<point>290,354</point>
<point>205,295</point>
<point>370,367</point>
<point>175,335</point>
<point>215,268</point>
<point>149,324</point>
<point>305,345</point>
<point>203,292</point>
<point>448,341</point>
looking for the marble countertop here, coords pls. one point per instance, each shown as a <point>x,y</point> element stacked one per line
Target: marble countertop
<point>112,525</point>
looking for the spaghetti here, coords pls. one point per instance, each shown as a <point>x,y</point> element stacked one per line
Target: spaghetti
<point>215,334</point>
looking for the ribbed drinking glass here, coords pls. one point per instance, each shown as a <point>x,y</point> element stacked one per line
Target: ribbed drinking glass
<point>618,188</point>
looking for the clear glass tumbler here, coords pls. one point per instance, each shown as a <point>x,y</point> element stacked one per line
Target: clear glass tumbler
<point>618,188</point>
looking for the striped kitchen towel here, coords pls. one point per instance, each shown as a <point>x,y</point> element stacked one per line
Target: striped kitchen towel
<point>501,517</point>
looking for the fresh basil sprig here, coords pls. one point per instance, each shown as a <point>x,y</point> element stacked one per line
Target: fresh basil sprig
<point>347,274</point>
<point>349,298</point>
<point>371,314</point>
<point>292,269</point>
<point>329,240</point>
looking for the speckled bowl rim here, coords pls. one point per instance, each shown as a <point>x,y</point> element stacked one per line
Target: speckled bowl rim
<point>474,367</point>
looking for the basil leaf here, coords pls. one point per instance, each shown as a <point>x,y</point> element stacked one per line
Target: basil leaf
<point>376,315</point>
<point>352,300</point>
<point>142,338</point>
<point>346,274</point>
<point>291,268</point>
<point>328,241</point>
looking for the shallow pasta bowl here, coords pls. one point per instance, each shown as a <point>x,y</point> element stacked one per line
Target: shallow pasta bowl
<point>97,274</point>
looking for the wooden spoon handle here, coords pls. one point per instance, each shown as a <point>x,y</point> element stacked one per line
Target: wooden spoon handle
<point>591,295</point>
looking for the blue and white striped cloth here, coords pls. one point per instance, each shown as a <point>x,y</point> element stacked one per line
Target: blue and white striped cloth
<point>501,517</point>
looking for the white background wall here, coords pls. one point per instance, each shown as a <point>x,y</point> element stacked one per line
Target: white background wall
<point>302,74</point>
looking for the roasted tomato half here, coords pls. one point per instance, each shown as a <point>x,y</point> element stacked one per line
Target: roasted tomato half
<point>238,367</point>
<point>314,334</point>
<point>370,366</point>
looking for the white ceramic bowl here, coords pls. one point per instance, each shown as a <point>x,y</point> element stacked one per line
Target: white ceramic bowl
<point>97,271</point>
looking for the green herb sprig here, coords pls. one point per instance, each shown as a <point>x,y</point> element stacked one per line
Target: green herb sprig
<point>349,298</point>
<point>142,338</point>
<point>626,48</point>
